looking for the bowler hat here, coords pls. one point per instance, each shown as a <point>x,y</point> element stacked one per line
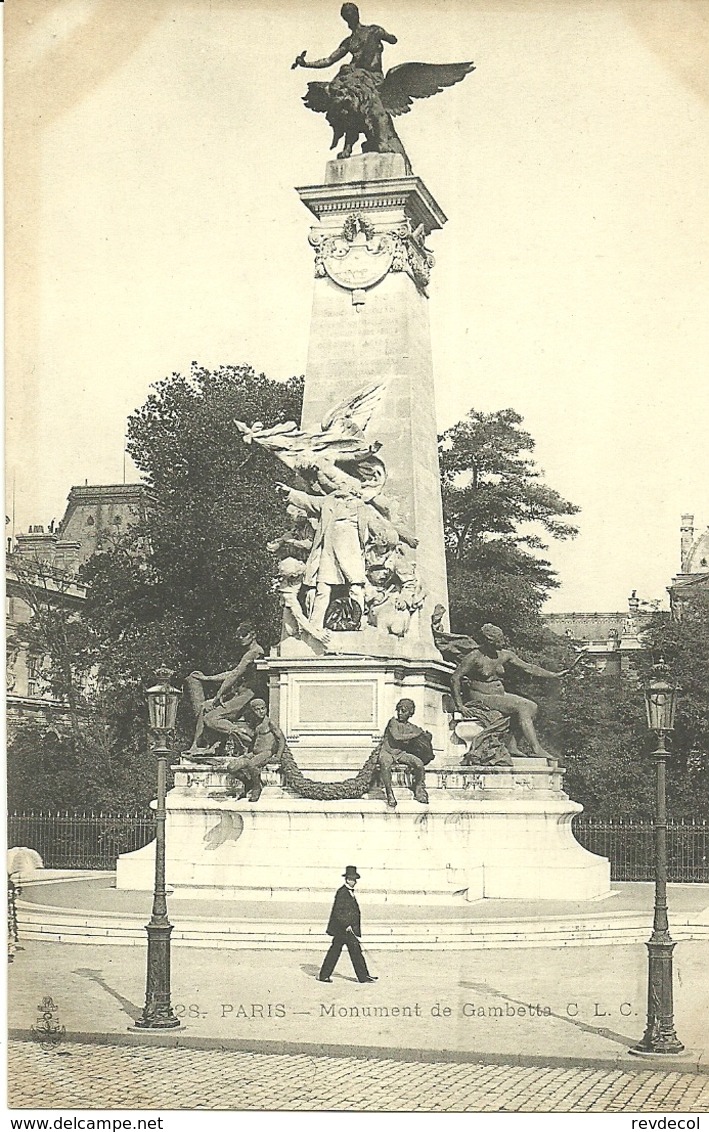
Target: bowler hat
<point>350,873</point>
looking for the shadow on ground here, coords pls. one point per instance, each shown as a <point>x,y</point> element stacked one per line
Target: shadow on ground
<point>600,1031</point>
<point>130,1008</point>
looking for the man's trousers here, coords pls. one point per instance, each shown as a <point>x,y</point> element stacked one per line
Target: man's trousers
<point>350,941</point>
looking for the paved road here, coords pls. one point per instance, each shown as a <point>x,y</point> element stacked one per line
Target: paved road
<point>137,1077</point>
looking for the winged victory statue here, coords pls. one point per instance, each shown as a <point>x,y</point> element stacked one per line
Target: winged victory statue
<point>339,456</point>
<point>361,101</point>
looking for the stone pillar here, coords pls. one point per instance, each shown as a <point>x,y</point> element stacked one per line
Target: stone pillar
<point>370,324</point>
<point>686,540</point>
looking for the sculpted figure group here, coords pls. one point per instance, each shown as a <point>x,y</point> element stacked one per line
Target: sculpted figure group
<point>347,561</point>
<point>237,714</point>
<point>217,715</point>
<point>361,100</point>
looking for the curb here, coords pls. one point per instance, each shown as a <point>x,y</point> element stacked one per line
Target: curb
<point>692,1061</point>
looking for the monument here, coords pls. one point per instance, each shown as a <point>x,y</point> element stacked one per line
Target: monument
<point>432,794</point>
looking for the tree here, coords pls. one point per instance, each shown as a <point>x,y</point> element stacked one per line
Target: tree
<point>173,588</point>
<point>50,768</point>
<point>496,508</point>
<point>213,507</point>
<point>85,753</point>
<point>684,647</point>
<point>596,725</point>
<point>178,584</point>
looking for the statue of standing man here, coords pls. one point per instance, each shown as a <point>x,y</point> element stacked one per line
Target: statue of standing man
<point>337,554</point>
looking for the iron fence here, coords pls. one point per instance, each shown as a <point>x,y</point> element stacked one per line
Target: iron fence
<point>80,840</point>
<point>629,844</point>
<point>94,840</point>
<point>13,934</point>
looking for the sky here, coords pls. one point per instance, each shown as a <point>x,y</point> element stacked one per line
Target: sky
<point>152,152</point>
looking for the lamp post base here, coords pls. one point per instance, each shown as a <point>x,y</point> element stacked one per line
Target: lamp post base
<point>659,1038</point>
<point>669,1047</point>
<point>157,1012</point>
<point>155,1026</point>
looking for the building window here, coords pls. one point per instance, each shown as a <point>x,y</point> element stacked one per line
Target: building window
<point>33,667</point>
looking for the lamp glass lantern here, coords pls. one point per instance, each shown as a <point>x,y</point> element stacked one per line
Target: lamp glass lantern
<point>660,702</point>
<point>162,703</point>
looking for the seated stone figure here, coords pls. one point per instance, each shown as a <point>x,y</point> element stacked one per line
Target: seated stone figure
<point>404,744</point>
<point>483,669</point>
<point>261,742</point>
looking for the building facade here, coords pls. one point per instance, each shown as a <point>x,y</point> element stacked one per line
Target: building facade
<point>611,640</point>
<point>693,576</point>
<point>41,573</point>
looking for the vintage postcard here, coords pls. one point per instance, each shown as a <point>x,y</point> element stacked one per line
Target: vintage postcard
<point>357,559</point>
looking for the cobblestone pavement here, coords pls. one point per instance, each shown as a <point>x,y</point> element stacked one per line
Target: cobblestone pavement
<point>139,1077</point>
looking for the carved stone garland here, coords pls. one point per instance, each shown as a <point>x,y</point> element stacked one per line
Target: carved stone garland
<point>351,788</point>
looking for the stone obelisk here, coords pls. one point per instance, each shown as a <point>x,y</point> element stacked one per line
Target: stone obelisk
<point>370,323</point>
<point>370,328</point>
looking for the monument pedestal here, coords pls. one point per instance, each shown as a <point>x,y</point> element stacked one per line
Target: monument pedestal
<point>333,709</point>
<point>505,835</point>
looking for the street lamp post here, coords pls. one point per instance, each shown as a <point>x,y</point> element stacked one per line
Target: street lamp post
<point>157,1012</point>
<point>660,1036</point>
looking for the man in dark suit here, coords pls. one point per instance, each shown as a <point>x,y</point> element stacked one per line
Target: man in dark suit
<point>345,928</point>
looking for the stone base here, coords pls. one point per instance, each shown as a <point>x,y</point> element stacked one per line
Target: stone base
<point>333,709</point>
<point>416,645</point>
<point>482,837</point>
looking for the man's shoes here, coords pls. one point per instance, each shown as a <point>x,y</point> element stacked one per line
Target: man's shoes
<point>321,980</point>
<point>370,979</point>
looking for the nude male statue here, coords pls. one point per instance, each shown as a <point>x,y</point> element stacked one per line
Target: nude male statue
<point>262,742</point>
<point>365,44</point>
<point>360,99</point>
<point>233,694</point>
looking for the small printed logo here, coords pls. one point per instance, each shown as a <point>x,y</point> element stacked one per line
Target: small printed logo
<point>48,1030</point>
